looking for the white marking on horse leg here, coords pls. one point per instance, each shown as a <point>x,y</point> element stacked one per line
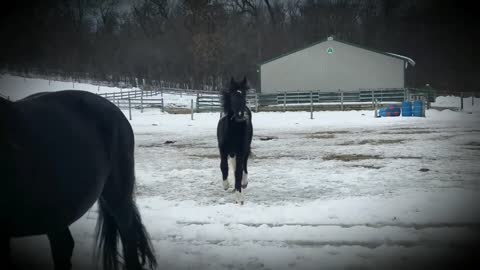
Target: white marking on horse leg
<point>232,162</point>
<point>239,197</point>
<point>232,165</point>
<point>244,180</point>
<point>226,185</point>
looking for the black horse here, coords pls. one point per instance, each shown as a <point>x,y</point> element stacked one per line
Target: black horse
<point>234,135</point>
<point>59,153</point>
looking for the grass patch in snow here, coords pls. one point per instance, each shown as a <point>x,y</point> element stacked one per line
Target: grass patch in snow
<point>367,167</point>
<point>473,144</point>
<point>208,156</point>
<point>350,157</point>
<point>408,132</point>
<point>320,136</point>
<point>175,145</point>
<point>373,142</point>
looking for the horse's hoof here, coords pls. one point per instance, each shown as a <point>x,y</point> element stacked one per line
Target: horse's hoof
<point>244,186</point>
<point>239,197</point>
<point>226,185</point>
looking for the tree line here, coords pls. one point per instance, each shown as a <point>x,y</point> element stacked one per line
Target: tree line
<point>198,42</point>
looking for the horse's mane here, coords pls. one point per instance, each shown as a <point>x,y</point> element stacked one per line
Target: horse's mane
<point>225,100</point>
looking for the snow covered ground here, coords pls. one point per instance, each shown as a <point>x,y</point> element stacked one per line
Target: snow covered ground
<point>454,102</point>
<point>342,191</point>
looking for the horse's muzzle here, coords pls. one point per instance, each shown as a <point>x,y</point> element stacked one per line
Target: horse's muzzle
<point>239,117</point>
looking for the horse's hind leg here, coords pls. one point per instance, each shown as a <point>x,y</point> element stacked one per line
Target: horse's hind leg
<point>61,244</point>
<point>238,178</point>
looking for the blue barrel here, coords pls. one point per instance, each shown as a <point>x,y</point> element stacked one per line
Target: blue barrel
<point>417,108</point>
<point>382,113</point>
<point>407,108</point>
<point>392,110</point>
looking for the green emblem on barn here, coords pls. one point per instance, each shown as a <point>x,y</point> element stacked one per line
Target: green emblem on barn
<point>330,50</point>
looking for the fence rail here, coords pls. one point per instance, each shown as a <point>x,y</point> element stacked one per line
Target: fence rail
<point>130,94</point>
<point>212,102</point>
<point>138,103</point>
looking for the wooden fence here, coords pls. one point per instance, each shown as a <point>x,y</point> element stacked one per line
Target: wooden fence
<point>209,101</point>
<point>362,96</point>
<point>212,102</point>
<point>130,94</point>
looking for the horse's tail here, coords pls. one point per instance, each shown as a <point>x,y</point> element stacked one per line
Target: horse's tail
<point>119,215</point>
<point>107,236</point>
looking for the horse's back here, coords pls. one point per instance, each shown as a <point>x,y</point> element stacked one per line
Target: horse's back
<point>66,145</point>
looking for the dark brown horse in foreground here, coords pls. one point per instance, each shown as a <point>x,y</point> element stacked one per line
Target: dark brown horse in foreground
<point>60,152</point>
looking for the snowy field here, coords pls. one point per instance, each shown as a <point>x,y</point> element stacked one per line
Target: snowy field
<point>16,87</point>
<point>342,191</point>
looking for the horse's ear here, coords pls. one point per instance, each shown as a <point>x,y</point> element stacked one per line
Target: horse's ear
<point>244,81</point>
<point>244,84</point>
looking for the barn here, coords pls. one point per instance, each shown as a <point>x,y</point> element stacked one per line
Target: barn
<point>332,65</point>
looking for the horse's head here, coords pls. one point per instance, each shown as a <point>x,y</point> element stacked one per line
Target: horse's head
<point>235,100</point>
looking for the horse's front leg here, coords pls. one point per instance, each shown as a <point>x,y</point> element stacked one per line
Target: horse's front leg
<point>224,168</point>
<point>245,172</point>
<point>5,254</point>
<point>239,159</point>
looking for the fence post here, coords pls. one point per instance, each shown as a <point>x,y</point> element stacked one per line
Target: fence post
<point>461,101</point>
<point>191,108</point>
<point>341,99</point>
<point>285,101</point>
<point>256,102</point>
<point>375,114</point>
<point>141,102</point>
<point>129,109</point>
<point>198,102</point>
<point>373,102</point>
<point>212,107</point>
<point>473,97</point>
<point>163,109</point>
<point>423,107</point>
<point>311,104</point>
<point>118,103</point>
<point>428,100</point>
